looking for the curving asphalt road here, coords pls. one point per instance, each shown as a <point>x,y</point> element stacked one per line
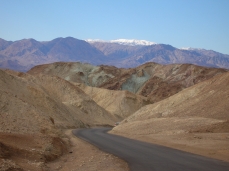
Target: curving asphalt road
<point>143,156</point>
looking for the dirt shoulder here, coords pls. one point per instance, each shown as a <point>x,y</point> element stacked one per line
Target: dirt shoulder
<point>29,151</point>
<point>84,156</point>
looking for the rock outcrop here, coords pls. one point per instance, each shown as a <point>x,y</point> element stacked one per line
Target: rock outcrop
<point>151,80</point>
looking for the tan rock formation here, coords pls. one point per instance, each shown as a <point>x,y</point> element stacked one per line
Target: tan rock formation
<point>34,110</point>
<point>118,103</point>
<point>154,81</point>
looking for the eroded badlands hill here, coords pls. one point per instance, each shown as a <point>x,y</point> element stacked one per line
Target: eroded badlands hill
<point>34,110</point>
<point>48,96</point>
<point>205,101</point>
<point>196,117</point>
<point>119,103</point>
<point>154,81</point>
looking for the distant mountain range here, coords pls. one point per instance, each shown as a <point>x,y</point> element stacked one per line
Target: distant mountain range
<point>131,56</point>
<point>23,54</point>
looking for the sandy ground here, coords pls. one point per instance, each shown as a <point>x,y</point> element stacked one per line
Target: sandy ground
<point>85,157</point>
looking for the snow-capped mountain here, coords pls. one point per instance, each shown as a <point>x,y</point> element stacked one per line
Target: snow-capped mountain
<point>129,42</point>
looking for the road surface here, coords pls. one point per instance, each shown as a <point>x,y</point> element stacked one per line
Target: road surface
<point>143,156</point>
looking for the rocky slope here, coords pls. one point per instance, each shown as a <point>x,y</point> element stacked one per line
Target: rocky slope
<point>195,118</point>
<point>205,101</point>
<point>33,111</point>
<point>114,51</point>
<point>58,98</point>
<point>154,81</point>
<point>119,103</point>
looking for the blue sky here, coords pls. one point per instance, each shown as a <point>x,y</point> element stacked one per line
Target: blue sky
<point>180,23</point>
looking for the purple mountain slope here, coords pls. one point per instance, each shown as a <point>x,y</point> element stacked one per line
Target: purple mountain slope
<point>23,54</point>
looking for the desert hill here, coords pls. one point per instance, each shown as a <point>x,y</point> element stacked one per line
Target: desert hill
<point>36,109</point>
<point>198,112</point>
<point>119,103</point>
<point>151,80</point>
<point>50,95</point>
<point>208,99</point>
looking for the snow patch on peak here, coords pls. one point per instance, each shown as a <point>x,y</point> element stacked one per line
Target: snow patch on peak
<point>94,40</point>
<point>129,42</point>
<point>133,42</point>
<point>189,48</point>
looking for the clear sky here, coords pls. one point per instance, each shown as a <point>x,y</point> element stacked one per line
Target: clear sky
<point>180,23</point>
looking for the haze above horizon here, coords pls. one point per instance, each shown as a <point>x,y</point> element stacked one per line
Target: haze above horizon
<point>180,23</point>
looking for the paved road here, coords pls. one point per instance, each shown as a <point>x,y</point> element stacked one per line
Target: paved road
<point>143,156</point>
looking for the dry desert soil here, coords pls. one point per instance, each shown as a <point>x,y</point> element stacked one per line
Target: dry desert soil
<point>84,156</point>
